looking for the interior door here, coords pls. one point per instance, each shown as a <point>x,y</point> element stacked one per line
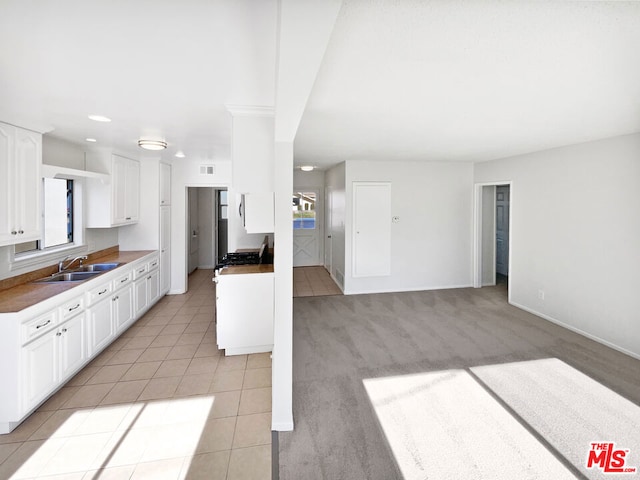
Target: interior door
<point>371,244</point>
<point>502,230</point>
<point>307,228</point>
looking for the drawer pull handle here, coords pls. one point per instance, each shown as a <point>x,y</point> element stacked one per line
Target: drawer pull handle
<point>43,324</point>
<point>71,309</point>
<point>128,218</point>
<point>20,232</point>
<point>58,334</point>
<point>103,291</point>
<point>141,270</point>
<point>13,232</point>
<point>149,277</point>
<point>124,279</point>
<point>64,330</point>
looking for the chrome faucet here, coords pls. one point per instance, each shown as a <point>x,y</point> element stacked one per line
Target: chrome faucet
<point>62,267</point>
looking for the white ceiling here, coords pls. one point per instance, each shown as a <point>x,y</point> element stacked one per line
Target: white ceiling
<point>405,79</point>
<point>472,80</point>
<point>157,68</point>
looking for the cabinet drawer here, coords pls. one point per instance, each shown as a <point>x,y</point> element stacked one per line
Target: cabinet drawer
<point>122,280</point>
<point>72,308</point>
<point>139,271</point>
<point>98,293</point>
<point>153,264</point>
<point>37,326</point>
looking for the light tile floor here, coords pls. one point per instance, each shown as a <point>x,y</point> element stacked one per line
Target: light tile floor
<point>313,282</point>
<point>162,402</point>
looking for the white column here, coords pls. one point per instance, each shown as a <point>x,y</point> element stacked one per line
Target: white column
<point>282,381</point>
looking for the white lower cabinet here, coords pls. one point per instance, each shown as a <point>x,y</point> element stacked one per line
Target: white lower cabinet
<point>122,308</point>
<point>40,367</point>
<point>43,346</point>
<point>244,326</point>
<point>53,358</point>
<point>100,326</point>
<point>146,286</point>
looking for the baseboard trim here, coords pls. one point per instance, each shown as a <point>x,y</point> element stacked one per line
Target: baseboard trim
<point>588,335</point>
<point>282,426</point>
<point>413,289</point>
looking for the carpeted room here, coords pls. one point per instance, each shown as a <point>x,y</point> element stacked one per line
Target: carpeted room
<point>371,372</point>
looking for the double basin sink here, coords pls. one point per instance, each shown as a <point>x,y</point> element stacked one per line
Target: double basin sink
<point>80,274</point>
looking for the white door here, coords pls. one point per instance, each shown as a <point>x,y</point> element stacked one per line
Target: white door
<point>371,243</point>
<point>307,228</point>
<point>502,230</point>
<point>73,346</point>
<point>328,229</point>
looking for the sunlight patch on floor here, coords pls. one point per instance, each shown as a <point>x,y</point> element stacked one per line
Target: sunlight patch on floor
<point>121,435</point>
<point>445,425</point>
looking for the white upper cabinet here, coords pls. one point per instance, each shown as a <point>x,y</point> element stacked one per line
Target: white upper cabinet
<point>117,202</point>
<point>20,184</point>
<point>165,184</point>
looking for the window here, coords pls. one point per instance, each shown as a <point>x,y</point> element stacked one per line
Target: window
<point>304,210</point>
<point>57,223</point>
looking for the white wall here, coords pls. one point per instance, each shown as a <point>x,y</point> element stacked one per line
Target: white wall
<point>575,234</point>
<point>335,182</point>
<point>431,244</point>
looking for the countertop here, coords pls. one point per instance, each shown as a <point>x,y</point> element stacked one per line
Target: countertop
<point>243,269</point>
<point>28,294</point>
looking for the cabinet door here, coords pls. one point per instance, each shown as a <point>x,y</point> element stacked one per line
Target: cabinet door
<point>123,307</point>
<point>165,184</point>
<point>165,249</point>
<point>7,134</point>
<point>100,326</point>
<point>40,369</point>
<point>28,184</point>
<point>258,212</point>
<point>153,286</point>
<point>73,352</point>
<point>140,296</point>
<point>118,189</point>
<point>132,195</point>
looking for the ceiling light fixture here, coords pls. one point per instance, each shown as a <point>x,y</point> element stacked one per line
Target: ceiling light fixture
<point>306,168</point>
<point>92,140</point>
<point>99,118</point>
<point>180,154</point>
<point>152,144</point>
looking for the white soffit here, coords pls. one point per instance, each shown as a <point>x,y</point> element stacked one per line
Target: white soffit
<point>472,81</point>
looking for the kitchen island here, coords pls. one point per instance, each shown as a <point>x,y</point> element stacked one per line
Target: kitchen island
<point>244,308</point>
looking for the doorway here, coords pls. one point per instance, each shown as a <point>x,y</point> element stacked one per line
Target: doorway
<point>502,234</point>
<point>307,228</point>
<point>492,238</point>
<point>206,227</point>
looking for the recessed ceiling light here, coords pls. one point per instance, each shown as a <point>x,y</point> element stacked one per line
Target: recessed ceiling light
<point>99,118</point>
<point>152,144</point>
<point>306,168</point>
<point>180,154</point>
<point>92,140</point>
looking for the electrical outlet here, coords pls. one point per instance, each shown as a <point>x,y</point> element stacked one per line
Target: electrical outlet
<point>541,294</point>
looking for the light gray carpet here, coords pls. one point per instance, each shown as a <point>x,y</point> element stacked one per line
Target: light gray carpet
<point>339,342</point>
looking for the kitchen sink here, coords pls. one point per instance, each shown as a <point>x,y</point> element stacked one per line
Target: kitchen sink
<point>98,267</point>
<point>68,277</point>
